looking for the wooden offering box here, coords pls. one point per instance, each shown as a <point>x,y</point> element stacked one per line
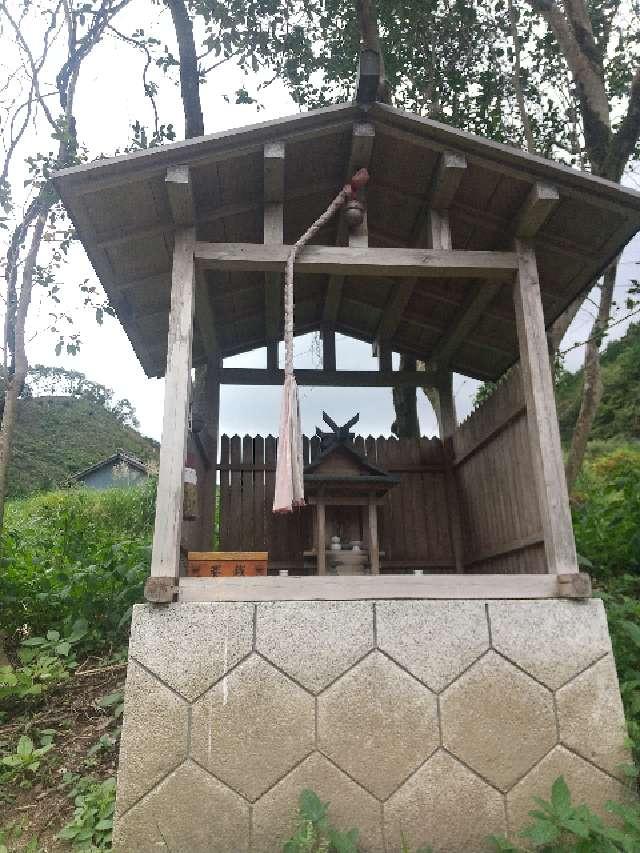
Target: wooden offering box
<point>227,564</point>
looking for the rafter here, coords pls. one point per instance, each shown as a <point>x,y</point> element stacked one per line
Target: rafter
<point>540,202</point>
<point>431,229</point>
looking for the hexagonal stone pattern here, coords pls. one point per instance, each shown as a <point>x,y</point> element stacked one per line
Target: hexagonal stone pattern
<point>252,727</point>
<point>591,717</point>
<point>434,640</point>
<point>377,724</point>
<point>275,813</point>
<point>586,783</point>
<point>314,641</point>
<point>154,735</point>
<point>551,640</point>
<point>190,812</point>
<point>497,720</point>
<point>431,807</point>
<point>211,636</point>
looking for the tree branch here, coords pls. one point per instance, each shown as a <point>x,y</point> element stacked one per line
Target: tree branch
<point>189,73</point>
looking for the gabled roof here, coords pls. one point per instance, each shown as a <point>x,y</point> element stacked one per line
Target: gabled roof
<point>121,211</point>
<point>115,459</point>
<point>368,473</point>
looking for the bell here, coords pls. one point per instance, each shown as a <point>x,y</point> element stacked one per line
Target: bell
<point>354,213</point>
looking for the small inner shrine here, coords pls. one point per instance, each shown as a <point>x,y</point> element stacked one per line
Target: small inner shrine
<point>345,490</point>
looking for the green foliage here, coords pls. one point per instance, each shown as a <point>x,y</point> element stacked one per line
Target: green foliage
<point>606,509</point>
<point>92,823</point>
<point>77,554</point>
<point>622,601</point>
<point>56,437</point>
<point>618,416</point>
<point>12,834</point>
<point>23,763</point>
<point>314,833</point>
<point>46,661</point>
<point>561,827</point>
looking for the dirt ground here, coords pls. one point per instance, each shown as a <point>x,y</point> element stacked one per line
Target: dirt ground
<point>71,710</point>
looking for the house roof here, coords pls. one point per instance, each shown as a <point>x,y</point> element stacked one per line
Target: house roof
<point>120,208</point>
<point>116,459</point>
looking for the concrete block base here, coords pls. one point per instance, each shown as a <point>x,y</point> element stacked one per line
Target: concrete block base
<point>433,720</point>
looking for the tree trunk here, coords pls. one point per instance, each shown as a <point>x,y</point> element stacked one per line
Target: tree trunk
<point>406,424</point>
<point>592,384</point>
<point>16,381</point>
<point>189,73</point>
<point>517,80</point>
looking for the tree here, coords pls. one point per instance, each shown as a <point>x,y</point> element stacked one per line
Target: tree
<point>80,28</point>
<point>564,79</point>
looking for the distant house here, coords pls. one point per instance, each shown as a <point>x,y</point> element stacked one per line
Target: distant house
<point>117,470</point>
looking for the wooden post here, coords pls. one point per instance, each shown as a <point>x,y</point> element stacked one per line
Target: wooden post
<point>274,160</point>
<point>165,557</point>
<point>212,419</point>
<point>446,414</point>
<point>374,548</point>
<point>544,434</point>
<point>321,537</point>
<point>328,348</point>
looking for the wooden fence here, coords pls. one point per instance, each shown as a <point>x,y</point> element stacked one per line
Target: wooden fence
<point>414,519</point>
<point>496,486</point>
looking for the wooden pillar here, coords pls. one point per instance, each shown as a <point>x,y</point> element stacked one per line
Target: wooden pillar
<point>165,557</point>
<point>374,548</point>
<point>321,537</point>
<point>328,348</point>
<point>274,160</point>
<point>211,429</point>
<point>443,402</point>
<point>544,434</point>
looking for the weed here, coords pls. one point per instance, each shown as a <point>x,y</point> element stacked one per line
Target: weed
<point>561,827</point>
<point>23,764</point>
<point>314,833</point>
<point>92,823</point>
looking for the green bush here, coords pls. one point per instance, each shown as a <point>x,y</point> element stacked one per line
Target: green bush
<point>606,513</point>
<point>92,823</point>
<point>76,554</point>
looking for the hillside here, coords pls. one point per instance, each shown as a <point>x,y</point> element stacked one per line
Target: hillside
<point>58,436</point>
<point>618,417</point>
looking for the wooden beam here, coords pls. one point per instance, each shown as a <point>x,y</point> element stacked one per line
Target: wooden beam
<point>450,171</point>
<point>362,141</point>
<point>369,69</point>
<point>541,201</point>
<point>326,378</point>
<point>274,163</point>
<point>354,588</point>
<point>212,426</point>
<point>422,263</point>
<point>542,418</point>
<point>180,191</point>
<point>165,557</point>
<point>183,212</point>
<point>466,320</point>
<point>431,229</point>
<point>328,349</point>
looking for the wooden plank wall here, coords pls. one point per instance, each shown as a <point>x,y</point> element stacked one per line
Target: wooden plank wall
<point>414,520</point>
<point>496,486</point>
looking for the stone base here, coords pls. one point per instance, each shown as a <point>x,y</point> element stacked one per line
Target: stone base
<point>436,720</point>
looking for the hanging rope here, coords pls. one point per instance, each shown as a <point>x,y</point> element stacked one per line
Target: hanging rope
<point>289,488</point>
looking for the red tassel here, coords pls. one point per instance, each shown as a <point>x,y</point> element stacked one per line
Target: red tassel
<point>359,180</point>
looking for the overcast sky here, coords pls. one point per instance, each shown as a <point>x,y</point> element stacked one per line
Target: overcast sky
<point>109,100</point>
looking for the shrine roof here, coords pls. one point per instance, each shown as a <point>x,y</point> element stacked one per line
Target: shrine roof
<point>120,208</point>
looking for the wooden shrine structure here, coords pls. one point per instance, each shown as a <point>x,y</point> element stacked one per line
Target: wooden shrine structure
<point>467,251</point>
